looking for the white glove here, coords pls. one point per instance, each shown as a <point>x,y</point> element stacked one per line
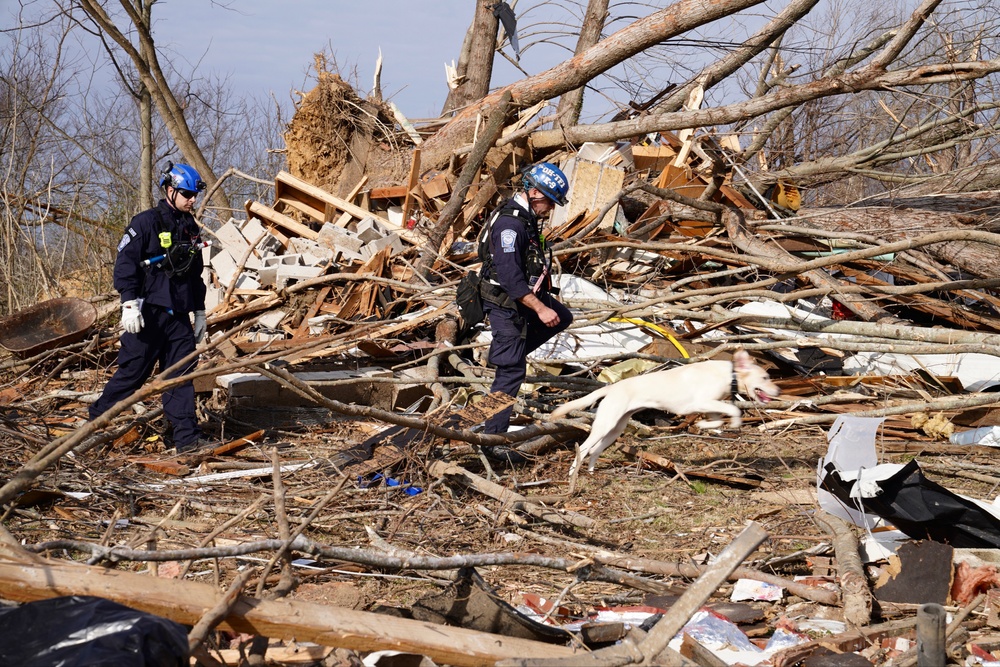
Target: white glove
<point>132,317</point>
<point>200,326</point>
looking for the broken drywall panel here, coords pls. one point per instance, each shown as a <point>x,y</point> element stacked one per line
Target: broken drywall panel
<point>615,154</point>
<point>592,186</point>
<point>272,318</point>
<point>976,371</point>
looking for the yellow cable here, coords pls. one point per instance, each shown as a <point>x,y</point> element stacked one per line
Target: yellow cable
<point>655,327</point>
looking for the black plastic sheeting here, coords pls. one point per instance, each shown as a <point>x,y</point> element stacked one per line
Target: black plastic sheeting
<point>83,631</point>
<point>922,509</point>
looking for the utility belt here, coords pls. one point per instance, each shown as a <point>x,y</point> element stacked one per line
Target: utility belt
<point>492,292</point>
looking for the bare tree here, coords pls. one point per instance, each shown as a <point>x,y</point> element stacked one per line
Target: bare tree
<point>475,67</point>
<point>146,62</point>
<point>571,102</point>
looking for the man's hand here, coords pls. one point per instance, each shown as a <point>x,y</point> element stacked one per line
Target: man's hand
<point>200,326</point>
<point>132,317</point>
<point>549,317</point>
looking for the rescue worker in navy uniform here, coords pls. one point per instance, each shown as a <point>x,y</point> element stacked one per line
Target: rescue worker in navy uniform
<point>158,300</point>
<point>517,290</point>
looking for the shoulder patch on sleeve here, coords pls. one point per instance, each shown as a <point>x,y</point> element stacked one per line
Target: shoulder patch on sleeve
<point>124,242</point>
<point>507,239</point>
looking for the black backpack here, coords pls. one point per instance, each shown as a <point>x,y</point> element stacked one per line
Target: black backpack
<point>470,300</point>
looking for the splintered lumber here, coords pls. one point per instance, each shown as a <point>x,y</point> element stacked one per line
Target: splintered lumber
<point>29,579</point>
<point>653,649</point>
<point>670,466</point>
<point>289,188</point>
<point>853,581</point>
<point>503,494</point>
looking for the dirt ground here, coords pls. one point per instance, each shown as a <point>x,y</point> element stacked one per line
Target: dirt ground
<point>639,511</point>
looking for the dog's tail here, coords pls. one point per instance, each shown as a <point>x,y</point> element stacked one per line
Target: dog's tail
<point>580,403</point>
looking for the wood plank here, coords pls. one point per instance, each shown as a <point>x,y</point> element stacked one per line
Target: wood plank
<point>268,214</point>
<point>164,467</point>
<point>389,192</point>
<point>187,601</point>
<point>303,329</point>
<point>301,207</point>
<point>289,186</point>
<point>411,184</point>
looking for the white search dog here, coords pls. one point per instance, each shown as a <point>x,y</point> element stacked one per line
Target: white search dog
<point>694,388</point>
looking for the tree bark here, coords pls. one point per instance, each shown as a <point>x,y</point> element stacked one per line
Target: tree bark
<point>640,35</point>
<point>895,224</point>
<point>146,124</point>
<point>479,69</point>
<point>571,101</point>
<point>153,78</point>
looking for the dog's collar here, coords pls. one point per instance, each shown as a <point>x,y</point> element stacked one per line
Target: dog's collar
<point>734,389</point>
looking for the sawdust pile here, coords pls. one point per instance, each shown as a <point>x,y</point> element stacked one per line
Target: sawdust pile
<point>336,137</point>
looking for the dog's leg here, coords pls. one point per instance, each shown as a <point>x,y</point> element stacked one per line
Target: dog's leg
<point>719,408</point>
<point>609,422</point>
<point>607,440</point>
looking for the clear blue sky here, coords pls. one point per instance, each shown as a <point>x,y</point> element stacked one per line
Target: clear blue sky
<point>267,46</point>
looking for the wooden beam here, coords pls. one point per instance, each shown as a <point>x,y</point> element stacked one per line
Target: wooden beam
<point>185,602</point>
<point>288,186</point>
<point>301,207</point>
<point>411,184</point>
<point>268,214</point>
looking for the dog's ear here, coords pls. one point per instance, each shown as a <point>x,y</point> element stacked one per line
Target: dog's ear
<point>742,360</point>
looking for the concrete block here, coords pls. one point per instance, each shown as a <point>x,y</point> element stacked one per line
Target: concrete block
<point>312,253</point>
<point>292,274</point>
<point>337,238</point>
<point>370,229</point>
<point>252,229</point>
<point>247,282</point>
<point>213,297</point>
<point>291,259</point>
<point>231,238</point>
<point>392,241</point>
<point>224,266</point>
<point>268,276</point>
<point>349,256</point>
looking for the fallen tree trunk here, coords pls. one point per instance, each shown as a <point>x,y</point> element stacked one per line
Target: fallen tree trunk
<point>186,602</point>
<point>895,224</point>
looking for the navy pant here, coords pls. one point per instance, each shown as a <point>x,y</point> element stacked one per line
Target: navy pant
<point>166,339</point>
<point>516,334</point>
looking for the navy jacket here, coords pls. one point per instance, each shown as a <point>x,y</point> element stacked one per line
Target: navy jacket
<point>510,238</point>
<point>179,293</point>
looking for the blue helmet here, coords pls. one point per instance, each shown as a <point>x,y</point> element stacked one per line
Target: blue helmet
<point>181,177</point>
<point>549,180</point>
